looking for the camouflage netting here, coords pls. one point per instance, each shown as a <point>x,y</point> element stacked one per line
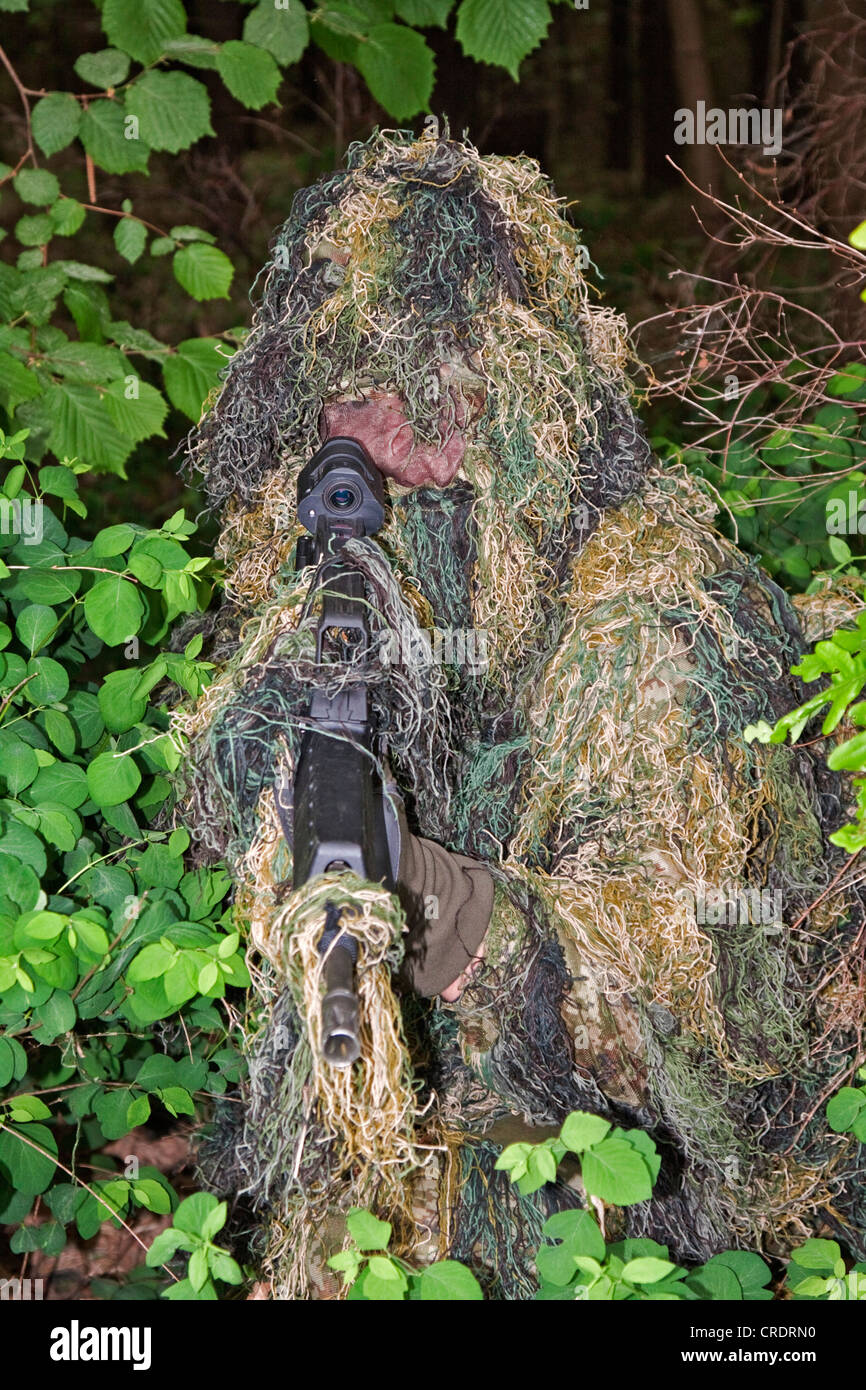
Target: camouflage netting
<point>596,762</point>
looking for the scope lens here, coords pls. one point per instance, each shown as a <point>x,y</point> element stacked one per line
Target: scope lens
<point>343,498</point>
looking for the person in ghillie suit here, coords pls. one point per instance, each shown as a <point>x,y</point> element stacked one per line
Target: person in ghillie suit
<point>625,887</point>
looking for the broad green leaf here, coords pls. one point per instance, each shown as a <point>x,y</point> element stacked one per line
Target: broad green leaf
<point>367,1231</point>
<point>57,1015</point>
<point>191,373</point>
<point>18,765</point>
<point>114,609</point>
<point>817,1254</point>
<point>858,237</point>
<point>751,1271</point>
<point>165,1246</point>
<point>250,73</point>
<point>425,14</point>
<point>107,68</point>
<point>23,1109</point>
<point>225,1268</point>
<point>59,729</point>
<point>55,121</point>
<point>398,67</point>
<point>647,1269</point>
<point>151,1194</point>
<point>83,429</point>
<point>173,110</point>
<point>35,626</point>
<point>616,1172</point>
<point>116,704</point>
<point>130,238</point>
<point>25,1168</point>
<point>844,1108</point>
<point>142,29</point>
<point>716,1282</point>
<point>17,382</point>
<point>136,408</point>
<point>499,33</point>
<point>66,216</point>
<point>578,1231</point>
<point>87,362</point>
<point>193,1212</point>
<point>284,32</point>
<point>580,1131</point>
<point>62,782</point>
<point>113,540</point>
<point>449,1282</point>
<point>48,682</point>
<point>36,230</point>
<point>204,271</point>
<point>192,49</point>
<point>112,778</point>
<point>111,141</point>
<point>177,1101</point>
<point>37,186</point>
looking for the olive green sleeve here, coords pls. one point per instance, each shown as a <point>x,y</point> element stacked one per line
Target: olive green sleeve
<point>448,900</point>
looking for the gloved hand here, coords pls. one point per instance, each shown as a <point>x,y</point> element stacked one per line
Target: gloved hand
<point>448,901</point>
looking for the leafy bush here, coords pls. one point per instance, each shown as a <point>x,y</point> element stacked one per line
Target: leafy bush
<point>102,931</point>
<point>577,1264</point>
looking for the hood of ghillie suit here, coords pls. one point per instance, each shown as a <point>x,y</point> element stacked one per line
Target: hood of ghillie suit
<point>434,304</point>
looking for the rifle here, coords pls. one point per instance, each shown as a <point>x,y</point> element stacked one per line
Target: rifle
<point>339,814</point>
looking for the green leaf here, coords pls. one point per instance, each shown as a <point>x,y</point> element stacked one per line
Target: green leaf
<point>165,1245</point>
<point>112,778</point>
<point>204,271</point>
<point>114,609</point>
<point>192,49</point>
<point>616,1172</point>
<point>844,1108</point>
<point>499,33</point>
<point>130,238</point>
<point>716,1282</point>
<point>367,1231</point>
<point>105,69</point>
<point>173,110</point>
<point>35,625</point>
<point>23,1109</point>
<point>817,1254</point>
<point>24,1168</point>
<point>142,29</point>
<point>580,1131</point>
<point>62,782</point>
<point>113,540</point>
<point>447,1281</point>
<point>57,1015</point>
<point>110,142</point>
<point>177,1101</point>
<point>18,765</point>
<point>752,1272</point>
<point>66,216</point>
<point>37,186</point>
<point>198,1270</point>
<point>34,231</point>
<point>250,73</point>
<point>578,1231</point>
<point>82,428</point>
<point>284,32</point>
<point>225,1268</point>
<point>49,682</point>
<point>17,383</point>
<point>647,1269</point>
<point>194,1211</point>
<point>116,704</point>
<point>55,122</point>
<point>398,67</point>
<point>136,408</point>
<point>425,14</point>
<point>191,373</point>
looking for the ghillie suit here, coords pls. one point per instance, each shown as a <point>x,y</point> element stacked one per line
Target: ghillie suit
<point>593,757</point>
